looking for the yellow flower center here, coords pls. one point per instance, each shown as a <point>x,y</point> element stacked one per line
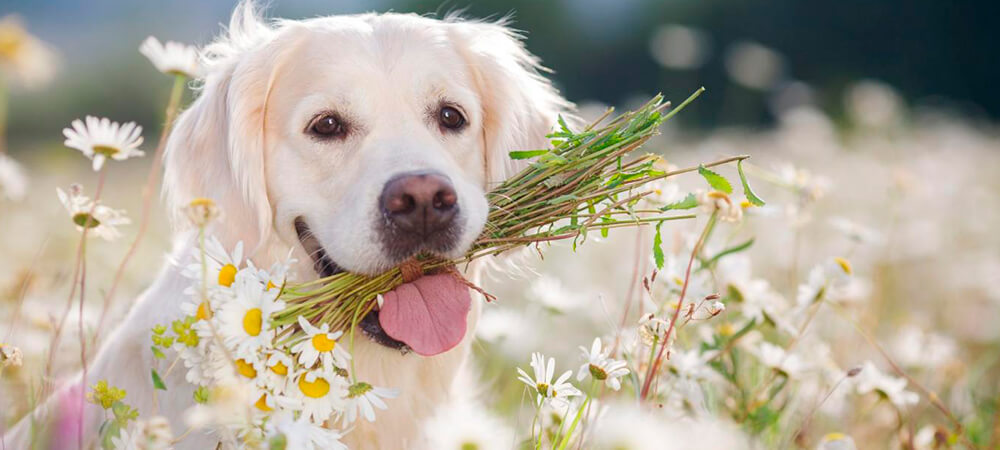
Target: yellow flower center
<point>322,343</point>
<point>252,321</point>
<point>85,220</point>
<point>279,369</point>
<point>844,264</point>
<point>245,369</point>
<point>315,389</point>
<point>12,38</point>
<point>262,403</point>
<point>270,286</point>
<point>227,274</point>
<point>204,311</point>
<point>105,150</point>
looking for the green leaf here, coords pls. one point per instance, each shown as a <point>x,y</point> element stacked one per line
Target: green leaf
<point>747,192</point>
<point>201,395</point>
<point>526,154</point>
<point>689,202</point>
<point>562,124</point>
<point>157,381</point>
<point>157,353</point>
<point>729,251</point>
<point>718,182</point>
<point>658,247</point>
<point>605,230</point>
<point>109,430</point>
<point>123,413</point>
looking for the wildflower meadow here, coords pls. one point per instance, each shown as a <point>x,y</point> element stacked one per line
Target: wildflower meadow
<point>828,281</point>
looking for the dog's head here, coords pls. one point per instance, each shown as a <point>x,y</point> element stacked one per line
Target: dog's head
<point>360,140</point>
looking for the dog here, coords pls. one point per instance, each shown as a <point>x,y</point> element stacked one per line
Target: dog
<point>358,141</point>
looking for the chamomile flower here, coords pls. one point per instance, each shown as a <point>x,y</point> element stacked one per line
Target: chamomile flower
<point>363,398</point>
<point>100,139</point>
<point>124,441</point>
<point>542,383</point>
<point>244,320</point>
<point>268,402</point>
<point>601,367</point>
<point>466,425</point>
<point>220,265</point>
<point>172,58</point>
<point>894,389</point>
<point>321,393</point>
<point>278,366</point>
<point>320,344</point>
<point>716,201</point>
<point>302,434</point>
<point>778,359</point>
<point>101,220</point>
<point>26,59</point>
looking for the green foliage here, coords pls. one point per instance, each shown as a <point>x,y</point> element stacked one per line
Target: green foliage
<point>747,192</point>
<point>688,202</point>
<point>658,247</point>
<point>157,381</point>
<point>718,182</point>
<point>201,395</point>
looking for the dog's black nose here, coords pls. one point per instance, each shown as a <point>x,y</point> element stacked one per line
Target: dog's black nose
<point>420,202</point>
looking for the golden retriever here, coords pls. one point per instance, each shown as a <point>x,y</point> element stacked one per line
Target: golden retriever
<point>359,141</point>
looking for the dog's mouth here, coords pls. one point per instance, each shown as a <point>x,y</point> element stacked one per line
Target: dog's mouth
<point>427,314</point>
<point>325,266</point>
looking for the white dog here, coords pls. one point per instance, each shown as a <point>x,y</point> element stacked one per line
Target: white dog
<point>358,141</point>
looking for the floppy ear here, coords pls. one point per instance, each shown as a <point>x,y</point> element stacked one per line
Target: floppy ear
<point>216,149</point>
<point>520,106</point>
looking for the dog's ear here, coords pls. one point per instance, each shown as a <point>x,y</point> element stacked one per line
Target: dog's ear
<point>216,149</point>
<point>520,106</point>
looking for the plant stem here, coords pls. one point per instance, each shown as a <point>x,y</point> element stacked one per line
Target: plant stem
<point>147,196</point>
<point>653,368</point>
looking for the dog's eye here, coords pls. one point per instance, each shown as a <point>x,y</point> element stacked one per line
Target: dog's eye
<point>327,126</point>
<point>451,118</point>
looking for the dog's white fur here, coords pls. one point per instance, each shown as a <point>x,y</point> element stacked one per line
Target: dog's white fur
<point>242,143</point>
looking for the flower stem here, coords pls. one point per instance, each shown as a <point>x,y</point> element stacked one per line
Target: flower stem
<point>654,368</point>
<point>147,196</point>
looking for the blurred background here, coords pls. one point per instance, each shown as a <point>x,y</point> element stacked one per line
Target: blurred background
<point>756,57</point>
<point>872,126</point>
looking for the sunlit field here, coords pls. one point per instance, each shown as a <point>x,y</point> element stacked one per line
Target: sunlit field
<point>835,289</point>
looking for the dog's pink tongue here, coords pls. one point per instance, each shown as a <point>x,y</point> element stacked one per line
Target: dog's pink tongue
<point>427,314</point>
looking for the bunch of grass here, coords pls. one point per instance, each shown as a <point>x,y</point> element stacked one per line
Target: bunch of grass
<point>584,183</point>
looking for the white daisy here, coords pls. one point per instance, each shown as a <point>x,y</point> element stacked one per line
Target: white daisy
<point>13,181</point>
<point>303,434</point>
<point>363,398</point>
<point>220,264</point>
<point>172,58</point>
<point>278,366</point>
<point>244,321</point>
<point>26,60</point>
<point>268,402</point>
<point>778,359</point>
<point>600,366</point>
<point>542,383</point>
<point>320,344</point>
<point>871,379</point>
<point>321,393</point>
<point>101,220</point>
<point>100,139</point>
<point>124,441</point>
<point>466,425</point>
<point>712,201</point>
